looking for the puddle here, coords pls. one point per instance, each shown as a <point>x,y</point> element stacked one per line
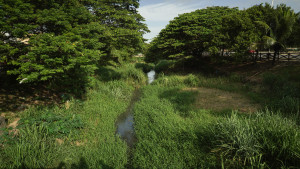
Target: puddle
<point>125,122</point>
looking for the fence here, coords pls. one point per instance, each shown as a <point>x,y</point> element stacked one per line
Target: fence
<point>265,55</point>
<point>283,56</point>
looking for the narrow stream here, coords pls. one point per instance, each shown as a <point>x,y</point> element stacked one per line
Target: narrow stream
<point>125,122</point>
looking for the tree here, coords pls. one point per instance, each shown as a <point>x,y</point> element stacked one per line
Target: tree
<point>125,24</point>
<point>66,40</point>
<point>190,34</point>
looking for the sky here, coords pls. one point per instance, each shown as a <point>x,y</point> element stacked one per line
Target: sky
<point>158,13</point>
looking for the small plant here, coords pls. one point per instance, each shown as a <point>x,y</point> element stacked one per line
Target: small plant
<point>55,124</point>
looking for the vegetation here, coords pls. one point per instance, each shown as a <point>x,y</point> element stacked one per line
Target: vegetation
<point>66,41</point>
<point>216,29</point>
<point>73,134</point>
<point>173,133</point>
<point>196,114</point>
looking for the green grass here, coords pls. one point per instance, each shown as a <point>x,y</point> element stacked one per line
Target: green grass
<point>90,124</point>
<point>283,89</point>
<point>173,134</point>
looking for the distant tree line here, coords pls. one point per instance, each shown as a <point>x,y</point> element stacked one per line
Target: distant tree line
<point>66,40</point>
<point>215,30</point>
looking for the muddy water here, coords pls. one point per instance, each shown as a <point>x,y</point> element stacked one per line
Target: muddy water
<point>125,122</point>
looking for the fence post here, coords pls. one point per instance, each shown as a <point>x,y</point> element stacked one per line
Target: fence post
<point>289,56</point>
<point>268,56</point>
<point>260,56</point>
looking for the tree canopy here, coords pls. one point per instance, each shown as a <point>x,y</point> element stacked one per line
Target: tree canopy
<point>215,29</point>
<point>63,40</point>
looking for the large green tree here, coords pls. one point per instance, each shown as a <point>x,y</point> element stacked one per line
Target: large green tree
<point>67,40</point>
<point>190,34</point>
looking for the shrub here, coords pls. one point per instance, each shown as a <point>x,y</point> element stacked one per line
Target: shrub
<point>164,65</point>
<point>129,72</point>
<point>145,67</point>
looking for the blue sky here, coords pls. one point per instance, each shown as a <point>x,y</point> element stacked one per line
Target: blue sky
<point>158,13</point>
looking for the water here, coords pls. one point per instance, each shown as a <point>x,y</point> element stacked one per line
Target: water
<point>151,76</point>
<point>125,122</point>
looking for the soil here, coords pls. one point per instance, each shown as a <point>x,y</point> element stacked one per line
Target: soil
<point>218,100</point>
<point>18,98</point>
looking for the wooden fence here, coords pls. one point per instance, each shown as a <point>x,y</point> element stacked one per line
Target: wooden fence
<point>265,55</point>
<point>283,56</point>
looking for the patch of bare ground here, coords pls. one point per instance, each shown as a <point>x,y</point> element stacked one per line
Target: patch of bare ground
<point>17,99</point>
<point>218,100</point>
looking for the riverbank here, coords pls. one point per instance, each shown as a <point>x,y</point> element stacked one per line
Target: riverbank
<point>181,121</point>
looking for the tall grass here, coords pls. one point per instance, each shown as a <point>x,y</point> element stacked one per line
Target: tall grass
<point>271,137</point>
<point>127,72</point>
<point>78,134</point>
<point>284,93</point>
<point>33,148</point>
<point>172,134</point>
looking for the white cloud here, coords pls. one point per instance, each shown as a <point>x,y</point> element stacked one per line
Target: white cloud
<point>158,15</point>
<point>163,11</point>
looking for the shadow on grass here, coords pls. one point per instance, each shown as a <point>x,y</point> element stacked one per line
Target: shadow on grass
<point>107,74</point>
<point>82,164</point>
<point>182,100</point>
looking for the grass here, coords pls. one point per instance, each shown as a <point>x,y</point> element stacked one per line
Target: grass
<point>78,134</point>
<point>283,89</point>
<point>172,133</point>
<point>171,129</point>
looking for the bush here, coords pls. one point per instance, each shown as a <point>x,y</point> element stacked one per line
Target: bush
<point>164,65</point>
<point>145,67</point>
<point>129,72</point>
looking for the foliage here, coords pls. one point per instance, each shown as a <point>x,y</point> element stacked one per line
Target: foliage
<point>164,65</point>
<point>65,41</point>
<point>214,30</point>
<point>189,34</point>
<point>85,130</point>
<point>55,124</point>
<point>128,72</point>
<point>146,67</point>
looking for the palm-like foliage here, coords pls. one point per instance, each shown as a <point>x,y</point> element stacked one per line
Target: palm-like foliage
<point>276,34</point>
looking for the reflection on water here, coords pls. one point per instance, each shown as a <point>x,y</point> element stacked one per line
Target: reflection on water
<point>151,76</point>
<point>125,122</point>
